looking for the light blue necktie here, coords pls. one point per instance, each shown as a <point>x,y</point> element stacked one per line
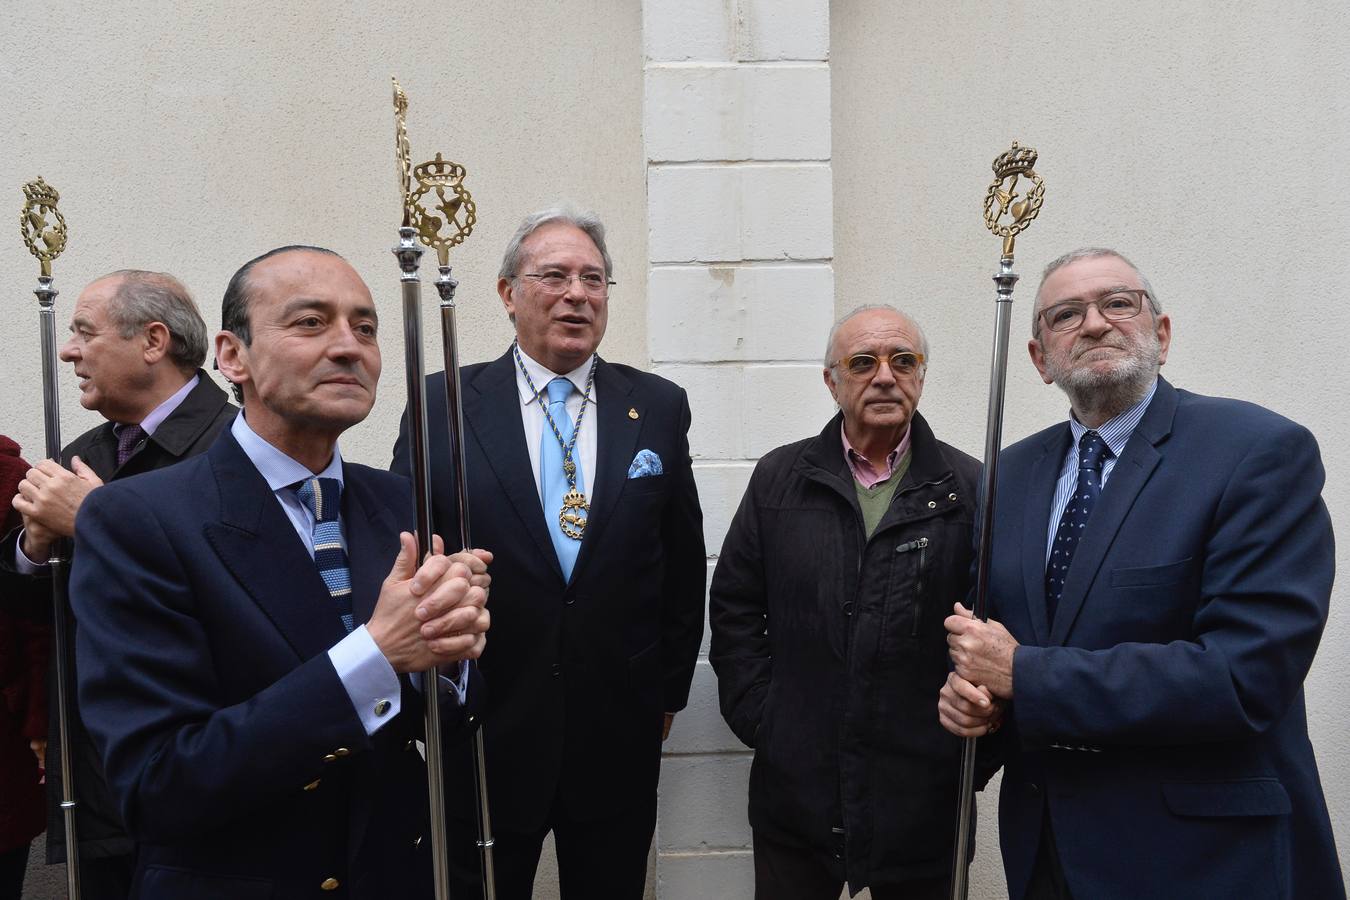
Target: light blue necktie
<point>323,496</point>
<point>552,479</point>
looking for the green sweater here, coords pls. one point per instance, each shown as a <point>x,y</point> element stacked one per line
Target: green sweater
<point>877,499</point>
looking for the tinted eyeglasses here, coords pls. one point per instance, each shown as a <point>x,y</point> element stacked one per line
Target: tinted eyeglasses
<point>864,365</point>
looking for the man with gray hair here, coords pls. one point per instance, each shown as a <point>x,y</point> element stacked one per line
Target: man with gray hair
<point>137,343</point>
<point>1161,574</point>
<point>580,481</point>
<point>826,610</point>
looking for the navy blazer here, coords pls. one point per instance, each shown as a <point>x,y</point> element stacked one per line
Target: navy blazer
<point>1160,719</point>
<point>230,744</point>
<point>578,673</point>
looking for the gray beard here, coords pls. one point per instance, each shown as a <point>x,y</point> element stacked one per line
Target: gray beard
<point>1098,397</point>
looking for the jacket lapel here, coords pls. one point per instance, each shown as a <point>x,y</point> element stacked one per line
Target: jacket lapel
<point>615,444</point>
<point>372,542</point>
<point>1128,478</point>
<point>101,454</point>
<point>1035,527</point>
<point>259,546</point>
<point>492,413</point>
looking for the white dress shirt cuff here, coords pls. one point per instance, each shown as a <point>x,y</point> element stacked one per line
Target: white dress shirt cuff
<point>22,563</point>
<point>460,684</point>
<point>370,681</point>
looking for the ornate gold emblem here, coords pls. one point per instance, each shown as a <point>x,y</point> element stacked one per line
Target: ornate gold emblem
<point>572,517</point>
<point>41,223</point>
<point>1002,201</point>
<point>440,189</point>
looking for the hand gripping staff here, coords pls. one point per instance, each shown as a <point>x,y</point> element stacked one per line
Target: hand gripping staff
<point>1007,212</point>
<point>442,226</point>
<point>44,233</point>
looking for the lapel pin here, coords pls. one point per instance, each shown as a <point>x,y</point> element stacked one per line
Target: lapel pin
<point>632,413</point>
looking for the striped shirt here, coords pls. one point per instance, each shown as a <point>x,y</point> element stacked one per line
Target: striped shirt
<point>1116,433</point>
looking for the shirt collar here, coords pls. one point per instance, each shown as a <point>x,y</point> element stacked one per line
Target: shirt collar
<point>868,472</point>
<point>278,469</point>
<point>1116,432</point>
<point>542,376</point>
<point>165,409</point>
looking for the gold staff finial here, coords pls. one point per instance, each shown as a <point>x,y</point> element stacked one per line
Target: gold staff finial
<point>1002,198</point>
<point>45,237</point>
<point>440,176</point>
<point>404,150</point>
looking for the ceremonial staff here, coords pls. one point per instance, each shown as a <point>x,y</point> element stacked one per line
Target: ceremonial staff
<point>44,232</point>
<point>1006,216</point>
<point>442,181</point>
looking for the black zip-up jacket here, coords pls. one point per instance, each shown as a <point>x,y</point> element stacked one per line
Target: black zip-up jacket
<point>830,651</point>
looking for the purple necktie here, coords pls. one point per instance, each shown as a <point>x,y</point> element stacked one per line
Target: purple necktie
<point>128,439</point>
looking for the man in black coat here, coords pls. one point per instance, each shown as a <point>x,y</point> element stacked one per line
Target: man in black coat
<point>826,610</point>
<point>137,343</point>
<point>597,612</point>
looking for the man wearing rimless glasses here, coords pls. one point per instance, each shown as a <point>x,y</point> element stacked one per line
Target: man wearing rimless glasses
<point>826,612</point>
<point>1160,576</point>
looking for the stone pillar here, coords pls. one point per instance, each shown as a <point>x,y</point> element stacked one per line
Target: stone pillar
<point>740,293</point>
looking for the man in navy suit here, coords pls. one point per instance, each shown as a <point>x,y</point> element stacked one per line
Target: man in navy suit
<point>1161,573</point>
<point>243,653</point>
<point>580,480</point>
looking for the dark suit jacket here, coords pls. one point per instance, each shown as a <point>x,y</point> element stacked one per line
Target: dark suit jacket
<point>578,674</point>
<point>1160,720</point>
<point>188,431</point>
<point>230,744</point>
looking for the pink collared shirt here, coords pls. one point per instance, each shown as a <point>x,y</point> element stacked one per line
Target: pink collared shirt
<point>867,473</point>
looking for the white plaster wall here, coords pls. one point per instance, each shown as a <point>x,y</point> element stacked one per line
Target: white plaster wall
<point>1206,140</point>
<point>189,137</point>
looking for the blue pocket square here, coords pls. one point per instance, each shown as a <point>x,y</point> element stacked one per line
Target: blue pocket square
<point>645,463</point>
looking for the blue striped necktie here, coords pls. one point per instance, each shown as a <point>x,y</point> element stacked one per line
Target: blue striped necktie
<point>1092,452</point>
<point>323,497</point>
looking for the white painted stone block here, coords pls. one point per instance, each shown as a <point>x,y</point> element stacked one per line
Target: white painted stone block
<point>731,213</point>
<point>718,875</point>
<point>716,430</point>
<point>688,29</point>
<point>710,313</point>
<point>730,113</point>
<point>720,488</point>
<point>784,404</point>
<point>707,630</point>
<point>783,29</point>
<point>702,802</point>
<point>700,727</point>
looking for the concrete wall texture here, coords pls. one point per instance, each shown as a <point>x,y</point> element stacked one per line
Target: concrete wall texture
<point>764,165</point>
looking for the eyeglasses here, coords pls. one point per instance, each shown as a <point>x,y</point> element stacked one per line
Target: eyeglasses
<point>864,365</point>
<point>1116,306</point>
<point>592,284</point>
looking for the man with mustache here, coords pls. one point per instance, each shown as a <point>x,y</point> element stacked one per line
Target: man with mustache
<point>137,344</point>
<point>826,610</point>
<point>1161,574</point>
<point>249,620</point>
<point>580,480</point>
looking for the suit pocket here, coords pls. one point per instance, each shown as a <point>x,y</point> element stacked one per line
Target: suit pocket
<point>646,484</point>
<point>1151,576</point>
<point>644,674</point>
<point>1249,797</point>
<point>166,882</point>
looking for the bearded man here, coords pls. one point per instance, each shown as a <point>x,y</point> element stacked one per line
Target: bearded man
<point>1161,574</point>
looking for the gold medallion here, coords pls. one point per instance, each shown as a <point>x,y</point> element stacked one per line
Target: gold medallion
<point>572,517</point>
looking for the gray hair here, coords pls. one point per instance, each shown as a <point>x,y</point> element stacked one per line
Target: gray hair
<point>868,307</point>
<point>144,297</point>
<point>586,221</point>
<point>1088,253</point>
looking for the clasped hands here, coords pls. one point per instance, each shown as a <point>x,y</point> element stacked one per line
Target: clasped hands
<point>48,499</point>
<point>434,614</point>
<point>972,700</point>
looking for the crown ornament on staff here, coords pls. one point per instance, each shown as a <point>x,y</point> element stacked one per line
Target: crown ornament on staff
<point>439,208</point>
<point>1007,212</point>
<point>41,223</point>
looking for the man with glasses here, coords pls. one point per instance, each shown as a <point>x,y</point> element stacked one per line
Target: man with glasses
<point>826,610</point>
<point>1161,573</point>
<point>580,480</point>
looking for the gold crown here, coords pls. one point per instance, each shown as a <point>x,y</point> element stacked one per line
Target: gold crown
<point>41,193</point>
<point>439,172</point>
<point>1017,161</point>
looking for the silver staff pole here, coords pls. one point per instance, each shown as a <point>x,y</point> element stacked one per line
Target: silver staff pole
<point>1001,200</point>
<point>44,232</point>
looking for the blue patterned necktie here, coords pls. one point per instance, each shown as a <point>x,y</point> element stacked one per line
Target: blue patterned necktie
<point>1092,452</point>
<point>322,497</point>
<point>553,484</point>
